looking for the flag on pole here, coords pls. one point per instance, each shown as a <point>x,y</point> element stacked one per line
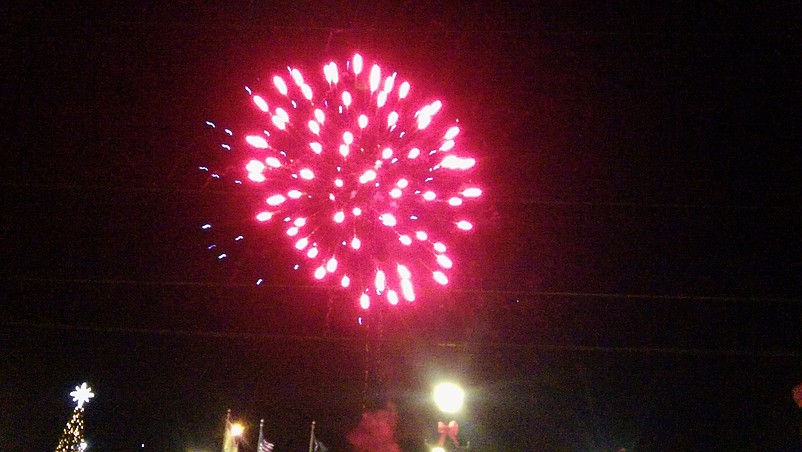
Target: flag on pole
<point>314,444</point>
<point>232,435</point>
<point>320,447</point>
<point>264,445</point>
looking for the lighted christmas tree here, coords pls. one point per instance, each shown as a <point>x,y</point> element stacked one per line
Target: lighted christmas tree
<point>72,438</point>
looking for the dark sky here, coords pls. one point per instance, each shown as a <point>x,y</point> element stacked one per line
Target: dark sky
<point>633,279</point>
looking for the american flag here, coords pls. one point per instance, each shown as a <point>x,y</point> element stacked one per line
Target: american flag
<point>265,446</point>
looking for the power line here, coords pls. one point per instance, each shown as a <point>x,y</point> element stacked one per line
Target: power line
<point>468,291</point>
<point>464,346</point>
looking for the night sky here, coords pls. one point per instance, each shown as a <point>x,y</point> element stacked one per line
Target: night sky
<point>633,279</point>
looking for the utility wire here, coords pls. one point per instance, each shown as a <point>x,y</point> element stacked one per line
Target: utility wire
<point>359,341</point>
<point>468,291</point>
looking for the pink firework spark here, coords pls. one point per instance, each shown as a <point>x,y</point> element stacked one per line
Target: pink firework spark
<point>365,185</point>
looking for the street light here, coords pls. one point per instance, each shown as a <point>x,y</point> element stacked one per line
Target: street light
<point>449,398</point>
<point>237,429</point>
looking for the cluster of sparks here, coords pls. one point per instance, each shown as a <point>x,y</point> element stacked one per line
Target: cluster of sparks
<point>364,185</point>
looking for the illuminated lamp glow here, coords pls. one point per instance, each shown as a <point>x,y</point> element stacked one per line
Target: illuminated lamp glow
<point>256,141</point>
<point>339,217</point>
<point>292,232</point>
<point>440,277</point>
<point>338,183</point>
<point>320,116</point>
<point>387,153</point>
<point>357,64</point>
<point>429,196</point>
<point>346,96</point>
<point>320,272</point>
<point>362,121</point>
<point>317,148</point>
<point>280,85</point>
<point>465,225</point>
<point>312,253</point>
<point>301,243</point>
<point>395,193</point>
<point>314,127</point>
<point>300,222</point>
<point>455,201</point>
<point>260,102</point>
<point>392,297</point>
<point>356,243</point>
<point>405,239</point>
<point>402,183</point>
<point>273,162</point>
<point>381,99</point>
<point>421,235</point>
<point>348,138</point>
<point>413,153</point>
<point>357,211</point>
<point>364,301</point>
<point>345,281</point>
<point>439,247</point>
<point>451,133</point>
<point>294,194</point>
<point>306,174</point>
<point>344,150</point>
<point>444,261</point>
<point>264,216</point>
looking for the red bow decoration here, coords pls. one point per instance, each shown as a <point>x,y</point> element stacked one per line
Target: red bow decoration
<point>449,430</point>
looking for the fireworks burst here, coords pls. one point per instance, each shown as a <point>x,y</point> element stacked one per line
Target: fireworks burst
<point>365,185</point>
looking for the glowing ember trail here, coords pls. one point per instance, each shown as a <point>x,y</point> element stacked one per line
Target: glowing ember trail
<point>365,182</point>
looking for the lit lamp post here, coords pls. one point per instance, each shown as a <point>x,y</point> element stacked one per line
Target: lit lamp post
<point>449,398</point>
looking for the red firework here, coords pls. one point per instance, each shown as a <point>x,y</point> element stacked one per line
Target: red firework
<point>365,185</point>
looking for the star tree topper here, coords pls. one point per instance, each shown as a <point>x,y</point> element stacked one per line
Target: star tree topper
<point>81,395</point>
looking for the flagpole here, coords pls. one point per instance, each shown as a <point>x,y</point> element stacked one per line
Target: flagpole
<point>261,434</point>
<point>312,438</point>
<point>225,432</point>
